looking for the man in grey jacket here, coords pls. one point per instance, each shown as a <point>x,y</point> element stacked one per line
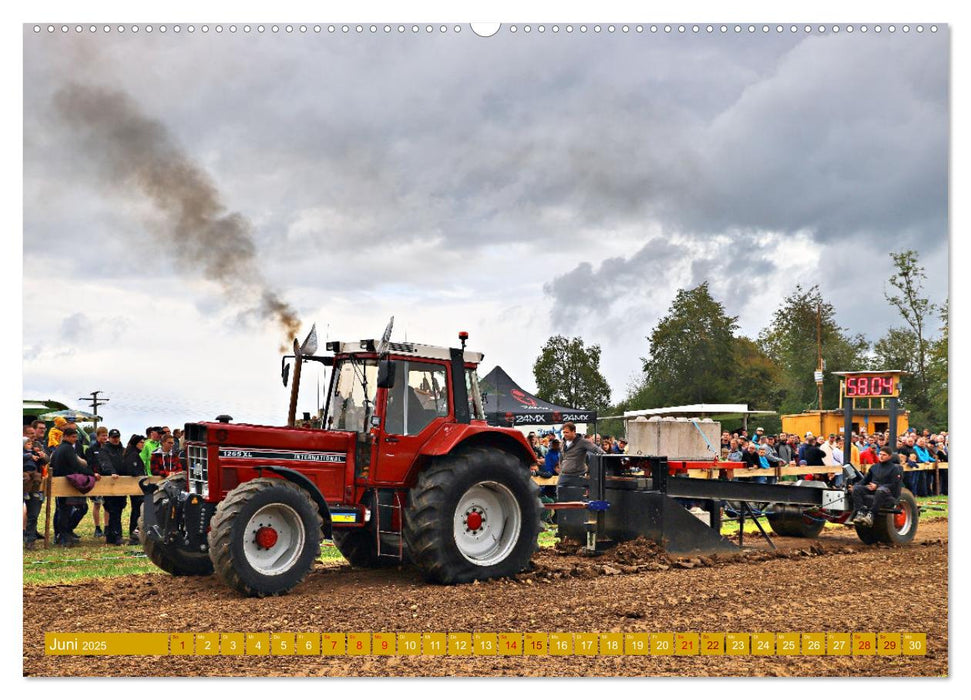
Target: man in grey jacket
<point>573,462</point>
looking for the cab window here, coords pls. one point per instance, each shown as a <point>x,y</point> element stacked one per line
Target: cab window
<point>419,396</point>
<point>352,395</point>
<point>475,398</point>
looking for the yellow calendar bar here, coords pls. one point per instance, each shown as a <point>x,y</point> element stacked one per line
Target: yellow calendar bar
<point>877,644</point>
<point>106,644</point>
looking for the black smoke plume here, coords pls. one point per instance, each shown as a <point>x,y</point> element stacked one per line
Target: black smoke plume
<point>138,154</point>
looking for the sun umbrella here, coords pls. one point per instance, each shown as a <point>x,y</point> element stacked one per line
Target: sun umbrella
<point>72,416</point>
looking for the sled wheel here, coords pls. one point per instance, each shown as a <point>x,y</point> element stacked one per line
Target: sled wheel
<point>867,534</point>
<point>790,521</point>
<point>898,529</point>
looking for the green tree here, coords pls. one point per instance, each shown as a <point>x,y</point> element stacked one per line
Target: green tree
<point>937,373</point>
<point>690,351</point>
<point>567,373</point>
<point>907,281</point>
<point>757,381</point>
<point>896,350</point>
<point>790,341</point>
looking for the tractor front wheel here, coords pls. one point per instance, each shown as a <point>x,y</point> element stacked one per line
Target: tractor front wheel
<point>265,537</point>
<point>171,558</point>
<point>474,514</point>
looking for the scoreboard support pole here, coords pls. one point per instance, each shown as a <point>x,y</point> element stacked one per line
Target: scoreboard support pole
<point>847,428</point>
<point>892,427</point>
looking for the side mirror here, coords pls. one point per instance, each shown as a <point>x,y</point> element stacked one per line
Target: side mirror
<point>386,373</point>
<point>286,373</point>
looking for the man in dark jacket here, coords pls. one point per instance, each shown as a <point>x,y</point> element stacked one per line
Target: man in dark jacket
<point>573,462</point>
<point>111,464</point>
<point>882,484</point>
<point>34,460</point>
<point>813,454</point>
<point>69,510</point>
<point>91,457</point>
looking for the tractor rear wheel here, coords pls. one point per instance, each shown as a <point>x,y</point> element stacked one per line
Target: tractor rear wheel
<point>265,537</point>
<point>171,558</point>
<point>790,521</point>
<point>474,514</point>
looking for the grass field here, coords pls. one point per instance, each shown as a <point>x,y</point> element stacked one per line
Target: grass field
<point>91,558</point>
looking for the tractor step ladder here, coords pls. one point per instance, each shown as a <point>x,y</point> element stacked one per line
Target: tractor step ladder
<point>385,512</point>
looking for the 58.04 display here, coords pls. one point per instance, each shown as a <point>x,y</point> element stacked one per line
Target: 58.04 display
<point>871,386</point>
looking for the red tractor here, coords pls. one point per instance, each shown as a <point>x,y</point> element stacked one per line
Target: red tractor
<point>400,466</point>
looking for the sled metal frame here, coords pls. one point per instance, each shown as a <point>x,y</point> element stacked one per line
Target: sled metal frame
<point>641,498</point>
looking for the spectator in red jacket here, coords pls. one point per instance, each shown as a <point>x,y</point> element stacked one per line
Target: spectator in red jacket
<point>868,455</point>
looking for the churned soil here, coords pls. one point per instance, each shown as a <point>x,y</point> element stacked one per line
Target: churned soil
<point>817,585</point>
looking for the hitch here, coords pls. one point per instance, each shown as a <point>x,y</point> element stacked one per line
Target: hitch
<point>147,487</point>
<point>154,529</point>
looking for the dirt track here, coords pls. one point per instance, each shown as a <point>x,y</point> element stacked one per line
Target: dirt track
<point>807,586</point>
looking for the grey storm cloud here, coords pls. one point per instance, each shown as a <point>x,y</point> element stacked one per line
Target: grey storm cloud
<point>426,155</point>
<point>585,290</point>
<point>842,134</point>
<point>74,327</point>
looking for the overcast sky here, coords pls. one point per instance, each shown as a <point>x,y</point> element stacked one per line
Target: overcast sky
<point>515,187</point>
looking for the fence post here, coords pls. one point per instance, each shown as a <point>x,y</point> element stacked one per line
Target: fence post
<point>47,510</point>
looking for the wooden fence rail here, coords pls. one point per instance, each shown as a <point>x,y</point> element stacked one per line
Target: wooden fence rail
<point>712,472</point>
<point>60,487</point>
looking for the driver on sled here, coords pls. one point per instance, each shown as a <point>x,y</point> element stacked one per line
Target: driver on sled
<point>881,487</point>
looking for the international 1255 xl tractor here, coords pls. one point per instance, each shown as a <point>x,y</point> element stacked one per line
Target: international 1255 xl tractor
<point>400,466</point>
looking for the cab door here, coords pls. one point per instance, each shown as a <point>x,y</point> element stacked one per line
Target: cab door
<point>415,408</point>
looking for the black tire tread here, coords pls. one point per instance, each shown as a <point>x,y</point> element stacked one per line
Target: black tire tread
<point>883,527</point>
<point>359,548</point>
<point>221,530</point>
<point>866,534</point>
<point>789,521</point>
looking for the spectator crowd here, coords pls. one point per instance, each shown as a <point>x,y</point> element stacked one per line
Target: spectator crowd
<point>913,448</point>
<point>64,449</point>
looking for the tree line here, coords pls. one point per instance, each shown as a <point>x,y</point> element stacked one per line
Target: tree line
<point>696,355</point>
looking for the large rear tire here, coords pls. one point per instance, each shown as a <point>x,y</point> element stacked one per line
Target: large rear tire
<point>171,558</point>
<point>790,521</point>
<point>265,537</point>
<point>473,514</point>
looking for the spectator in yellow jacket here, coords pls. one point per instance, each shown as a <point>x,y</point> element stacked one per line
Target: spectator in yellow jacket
<point>55,434</point>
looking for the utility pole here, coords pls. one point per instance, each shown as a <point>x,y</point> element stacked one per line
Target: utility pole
<point>819,355</point>
<point>95,402</point>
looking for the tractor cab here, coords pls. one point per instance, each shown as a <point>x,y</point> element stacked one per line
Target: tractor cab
<point>397,401</point>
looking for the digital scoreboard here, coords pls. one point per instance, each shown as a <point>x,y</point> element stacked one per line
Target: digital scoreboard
<point>871,385</point>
